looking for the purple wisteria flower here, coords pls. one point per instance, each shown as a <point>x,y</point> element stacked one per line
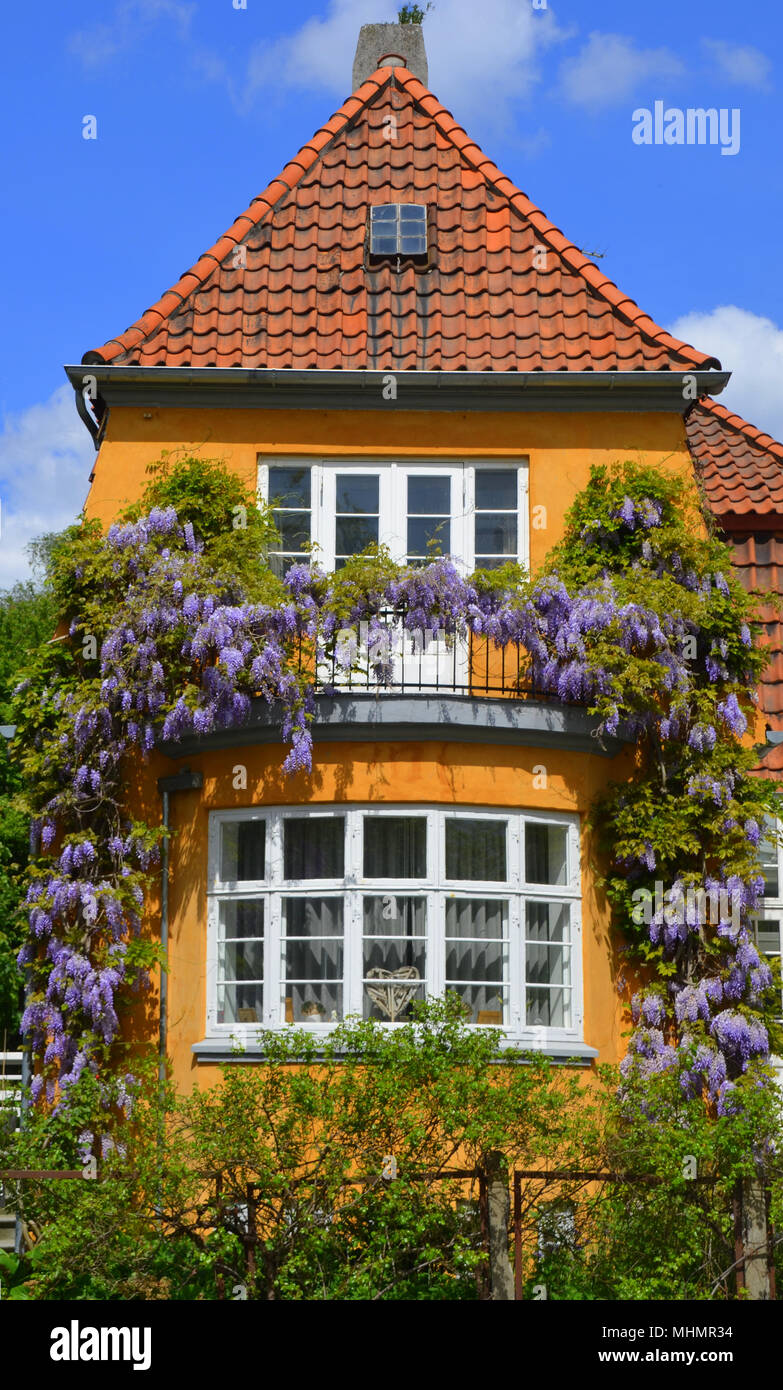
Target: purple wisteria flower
<point>731,714</point>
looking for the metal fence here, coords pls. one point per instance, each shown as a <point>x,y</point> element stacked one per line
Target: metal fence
<point>390,655</point>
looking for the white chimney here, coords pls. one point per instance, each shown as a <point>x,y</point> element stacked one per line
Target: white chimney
<point>389,45</point>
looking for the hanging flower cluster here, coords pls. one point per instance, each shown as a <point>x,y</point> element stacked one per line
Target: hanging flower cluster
<point>654,644</point>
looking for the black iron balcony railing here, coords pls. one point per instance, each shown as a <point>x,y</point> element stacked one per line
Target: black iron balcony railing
<point>389,657</point>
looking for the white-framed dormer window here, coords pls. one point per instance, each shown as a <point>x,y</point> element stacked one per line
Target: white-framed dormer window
<point>323,912</point>
<point>475,511</point>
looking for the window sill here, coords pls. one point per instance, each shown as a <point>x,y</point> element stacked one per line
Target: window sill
<point>225,1048</point>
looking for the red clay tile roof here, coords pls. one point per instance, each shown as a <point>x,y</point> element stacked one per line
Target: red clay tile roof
<point>770,764</point>
<point>741,468</point>
<point>742,472</point>
<point>758,561</point>
<point>305,298</point>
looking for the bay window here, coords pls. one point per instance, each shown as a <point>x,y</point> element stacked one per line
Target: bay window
<point>317,914</point>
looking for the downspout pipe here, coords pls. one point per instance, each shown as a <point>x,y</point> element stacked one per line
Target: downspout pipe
<point>164,941</point>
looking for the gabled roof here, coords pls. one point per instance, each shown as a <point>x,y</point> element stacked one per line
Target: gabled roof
<point>306,299</point>
<point>741,467</point>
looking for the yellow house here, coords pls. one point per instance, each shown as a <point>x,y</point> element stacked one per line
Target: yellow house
<point>394,343</point>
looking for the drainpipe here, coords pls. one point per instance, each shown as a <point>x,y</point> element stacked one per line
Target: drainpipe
<point>180,782</point>
<point>164,941</point>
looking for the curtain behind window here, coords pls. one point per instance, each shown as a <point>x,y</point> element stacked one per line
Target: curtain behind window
<point>476,850</point>
<point>545,853</point>
<point>395,847</point>
<point>242,850</point>
<point>314,847</point>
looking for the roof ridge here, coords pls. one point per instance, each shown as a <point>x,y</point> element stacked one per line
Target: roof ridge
<point>759,438</point>
<point>568,252</point>
<point>199,271</point>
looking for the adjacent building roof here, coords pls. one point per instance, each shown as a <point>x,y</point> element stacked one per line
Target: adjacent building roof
<point>758,561</point>
<point>741,467</point>
<point>288,285</point>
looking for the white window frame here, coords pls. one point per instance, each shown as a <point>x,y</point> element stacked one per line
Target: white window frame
<point>434,887</point>
<point>393,474</point>
<point>772,909</point>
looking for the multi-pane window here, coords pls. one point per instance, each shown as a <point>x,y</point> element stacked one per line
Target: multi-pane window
<point>240,922</point>
<point>398,229</point>
<point>769,853</point>
<point>496,518</point>
<point>769,922</point>
<point>429,517</point>
<point>357,514</point>
<point>475,512</point>
<point>318,914</point>
<point>290,495</point>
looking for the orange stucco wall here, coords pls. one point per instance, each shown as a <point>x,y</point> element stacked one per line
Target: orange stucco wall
<point>561,449</point>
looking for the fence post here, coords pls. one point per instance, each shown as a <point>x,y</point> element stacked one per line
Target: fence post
<point>517,1235</point>
<point>498,1212</point>
<point>755,1239</point>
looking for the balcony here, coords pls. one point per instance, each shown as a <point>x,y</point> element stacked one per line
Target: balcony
<point>391,658</point>
<point>388,682</point>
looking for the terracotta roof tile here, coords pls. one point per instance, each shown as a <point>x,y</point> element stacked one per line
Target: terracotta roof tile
<point>480,305</point>
<point>758,562</point>
<point>770,764</point>
<point>741,467</point>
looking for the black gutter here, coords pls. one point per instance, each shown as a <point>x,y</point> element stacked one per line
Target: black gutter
<point>273,389</point>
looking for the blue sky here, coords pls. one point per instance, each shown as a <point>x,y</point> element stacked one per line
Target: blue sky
<point>199,104</point>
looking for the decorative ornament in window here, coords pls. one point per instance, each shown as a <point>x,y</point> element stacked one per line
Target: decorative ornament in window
<point>398,231</point>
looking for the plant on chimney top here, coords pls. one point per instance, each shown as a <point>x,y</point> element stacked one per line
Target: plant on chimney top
<point>414,14</point>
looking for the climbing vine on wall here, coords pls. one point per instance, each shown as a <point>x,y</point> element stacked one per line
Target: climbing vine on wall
<point>173,624</point>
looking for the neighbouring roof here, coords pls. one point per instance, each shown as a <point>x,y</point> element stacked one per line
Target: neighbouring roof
<point>758,561</point>
<point>741,467</point>
<point>770,764</point>
<point>306,299</point>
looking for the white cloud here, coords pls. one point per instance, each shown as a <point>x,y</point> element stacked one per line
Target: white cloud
<point>610,68</point>
<point>482,58</point>
<point>746,66</point>
<point>751,348</point>
<point>46,455</point>
<point>131,22</point>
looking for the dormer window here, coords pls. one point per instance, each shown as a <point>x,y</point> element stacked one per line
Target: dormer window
<point>398,230</point>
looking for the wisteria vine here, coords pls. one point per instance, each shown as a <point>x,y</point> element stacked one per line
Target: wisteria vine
<point>636,618</point>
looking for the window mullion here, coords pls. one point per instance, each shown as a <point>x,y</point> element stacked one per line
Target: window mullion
<point>272,960</point>
<point>436,945</point>
<point>353,952</point>
<point>577,1004</point>
<point>516,962</point>
<point>213,911</point>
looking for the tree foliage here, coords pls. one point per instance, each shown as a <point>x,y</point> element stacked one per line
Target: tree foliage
<point>26,621</point>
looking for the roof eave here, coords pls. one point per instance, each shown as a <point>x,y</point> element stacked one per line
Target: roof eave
<point>318,389</point>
